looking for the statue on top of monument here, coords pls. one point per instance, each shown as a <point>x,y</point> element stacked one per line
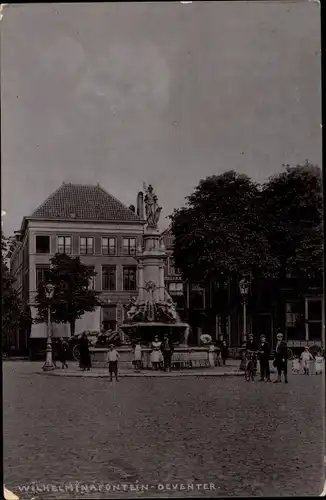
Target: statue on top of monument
<point>152,209</point>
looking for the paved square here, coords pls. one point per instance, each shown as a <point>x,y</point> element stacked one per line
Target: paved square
<point>243,438</point>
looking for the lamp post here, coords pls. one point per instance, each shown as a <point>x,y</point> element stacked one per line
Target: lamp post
<point>244,289</point>
<point>49,365</point>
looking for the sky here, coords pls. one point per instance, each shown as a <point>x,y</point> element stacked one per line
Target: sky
<point>166,93</point>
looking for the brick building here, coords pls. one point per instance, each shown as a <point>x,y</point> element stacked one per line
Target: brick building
<point>85,221</point>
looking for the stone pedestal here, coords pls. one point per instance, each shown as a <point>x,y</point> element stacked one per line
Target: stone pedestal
<point>151,263</point>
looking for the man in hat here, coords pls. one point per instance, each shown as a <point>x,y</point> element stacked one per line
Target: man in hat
<point>167,351</point>
<point>250,345</point>
<point>281,358</point>
<point>264,353</point>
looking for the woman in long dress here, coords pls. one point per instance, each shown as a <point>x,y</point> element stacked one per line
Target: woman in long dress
<point>156,354</point>
<point>85,357</point>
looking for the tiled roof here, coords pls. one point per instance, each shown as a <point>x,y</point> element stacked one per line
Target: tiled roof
<point>83,202</point>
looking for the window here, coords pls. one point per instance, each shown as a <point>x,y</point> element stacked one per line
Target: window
<point>129,278</point>
<point>197,298</point>
<point>41,275</point>
<point>314,310</point>
<point>294,326</point>
<point>86,245</point>
<point>180,303</point>
<point>42,244</point>
<point>292,317</point>
<point>176,288</point>
<point>109,278</point>
<point>172,269</point>
<point>315,319</point>
<point>129,246</point>
<point>108,246</point>
<point>109,317</point>
<point>64,244</point>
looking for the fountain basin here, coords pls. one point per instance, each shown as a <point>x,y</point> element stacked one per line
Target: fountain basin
<point>182,357</point>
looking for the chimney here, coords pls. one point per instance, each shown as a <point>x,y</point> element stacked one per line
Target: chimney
<point>140,205</point>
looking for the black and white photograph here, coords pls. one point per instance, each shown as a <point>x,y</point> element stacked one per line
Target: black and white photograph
<point>162,260</point>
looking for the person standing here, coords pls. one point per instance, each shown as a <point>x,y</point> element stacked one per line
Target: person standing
<point>281,359</point>
<point>113,358</point>
<point>156,354</point>
<point>63,352</point>
<point>319,360</point>
<point>306,357</point>
<point>167,351</point>
<point>224,350</point>
<point>249,345</point>
<point>264,353</point>
<point>85,356</point>
<point>137,356</point>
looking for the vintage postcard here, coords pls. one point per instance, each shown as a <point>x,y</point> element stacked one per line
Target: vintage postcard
<point>163,326</point>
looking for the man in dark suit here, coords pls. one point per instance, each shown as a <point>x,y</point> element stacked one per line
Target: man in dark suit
<point>264,353</point>
<point>281,359</point>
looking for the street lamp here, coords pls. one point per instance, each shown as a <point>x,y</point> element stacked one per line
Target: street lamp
<point>244,290</point>
<point>49,365</point>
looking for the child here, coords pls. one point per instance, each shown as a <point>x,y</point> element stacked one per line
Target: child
<point>296,365</point>
<point>137,357</point>
<point>306,357</point>
<point>319,360</point>
<point>113,357</point>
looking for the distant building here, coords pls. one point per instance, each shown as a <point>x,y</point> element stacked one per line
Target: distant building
<point>302,320</point>
<point>189,298</point>
<point>85,221</point>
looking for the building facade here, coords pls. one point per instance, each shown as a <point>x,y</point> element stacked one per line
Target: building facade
<point>190,299</point>
<point>301,318</point>
<point>88,222</point>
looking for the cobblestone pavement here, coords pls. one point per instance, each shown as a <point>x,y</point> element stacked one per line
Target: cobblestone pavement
<point>235,437</point>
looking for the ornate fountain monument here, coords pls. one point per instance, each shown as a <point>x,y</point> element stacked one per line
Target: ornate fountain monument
<point>153,312</point>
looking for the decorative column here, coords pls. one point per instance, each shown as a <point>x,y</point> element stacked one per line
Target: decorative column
<point>120,321</point>
<point>306,316</point>
<point>323,324</point>
<point>49,365</point>
<point>244,290</point>
<point>141,282</point>
<point>162,283</point>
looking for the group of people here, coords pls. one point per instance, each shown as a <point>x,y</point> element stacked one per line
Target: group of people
<point>280,361</point>
<point>263,352</point>
<point>161,354</point>
<point>309,363</point>
<point>162,351</point>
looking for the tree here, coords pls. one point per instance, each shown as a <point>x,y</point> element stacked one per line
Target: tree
<point>72,295</point>
<point>219,237</point>
<point>13,313</point>
<point>219,234</point>
<point>292,212</point>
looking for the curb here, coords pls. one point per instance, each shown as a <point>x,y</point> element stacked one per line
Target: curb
<point>140,375</point>
<point>15,359</point>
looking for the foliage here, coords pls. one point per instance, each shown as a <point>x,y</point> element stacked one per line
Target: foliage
<point>292,213</point>
<point>219,234</point>
<point>232,226</point>
<point>14,314</point>
<point>72,296</point>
